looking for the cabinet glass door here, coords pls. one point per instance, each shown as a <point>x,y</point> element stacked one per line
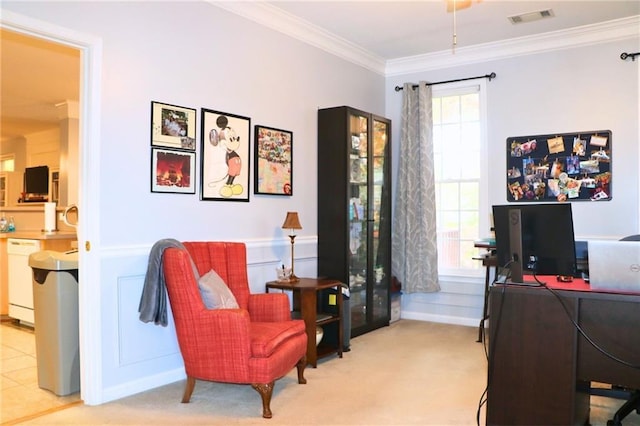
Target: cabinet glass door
<point>380,221</point>
<point>358,214</point>
<point>3,191</point>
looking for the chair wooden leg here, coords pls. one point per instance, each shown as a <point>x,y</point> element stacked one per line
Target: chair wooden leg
<point>188,389</point>
<point>265,390</point>
<point>301,366</point>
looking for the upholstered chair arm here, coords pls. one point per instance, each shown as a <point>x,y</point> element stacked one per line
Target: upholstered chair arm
<point>218,345</point>
<point>269,307</point>
<point>223,328</point>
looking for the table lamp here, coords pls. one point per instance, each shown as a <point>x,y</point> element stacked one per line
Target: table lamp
<point>292,222</point>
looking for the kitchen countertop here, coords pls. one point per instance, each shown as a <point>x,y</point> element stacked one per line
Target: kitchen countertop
<point>39,235</point>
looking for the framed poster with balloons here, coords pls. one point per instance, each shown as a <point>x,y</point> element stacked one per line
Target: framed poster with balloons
<point>273,161</point>
<point>224,156</point>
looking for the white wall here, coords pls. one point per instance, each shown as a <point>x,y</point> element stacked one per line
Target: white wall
<point>197,55</point>
<point>194,55</point>
<point>576,89</point>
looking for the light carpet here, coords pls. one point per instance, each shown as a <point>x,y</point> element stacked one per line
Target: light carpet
<point>410,373</point>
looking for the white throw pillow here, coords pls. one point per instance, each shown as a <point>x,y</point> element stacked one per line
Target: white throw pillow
<point>215,292</point>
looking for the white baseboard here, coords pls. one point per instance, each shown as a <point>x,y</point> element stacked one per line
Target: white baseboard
<point>144,384</point>
<point>444,319</point>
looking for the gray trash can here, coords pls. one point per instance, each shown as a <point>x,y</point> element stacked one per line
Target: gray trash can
<point>55,302</point>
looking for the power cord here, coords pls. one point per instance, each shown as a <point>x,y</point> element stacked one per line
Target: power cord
<point>483,397</point>
<point>582,332</point>
<point>533,260</point>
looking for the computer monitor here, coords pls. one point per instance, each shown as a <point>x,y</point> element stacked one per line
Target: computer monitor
<point>535,239</point>
<point>36,180</point>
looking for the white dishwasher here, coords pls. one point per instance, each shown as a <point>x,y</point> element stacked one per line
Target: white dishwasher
<point>21,278</point>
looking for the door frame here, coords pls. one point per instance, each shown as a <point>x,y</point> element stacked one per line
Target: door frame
<point>90,47</point>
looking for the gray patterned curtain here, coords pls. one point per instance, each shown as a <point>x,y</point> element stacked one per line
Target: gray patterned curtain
<point>414,243</point>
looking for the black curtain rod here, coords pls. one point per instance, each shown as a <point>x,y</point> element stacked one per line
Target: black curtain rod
<point>625,55</point>
<point>489,76</point>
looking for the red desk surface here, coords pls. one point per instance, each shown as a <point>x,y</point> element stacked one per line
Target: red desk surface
<point>578,284</point>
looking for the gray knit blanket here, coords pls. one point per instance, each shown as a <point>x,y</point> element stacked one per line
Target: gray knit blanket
<point>153,301</point>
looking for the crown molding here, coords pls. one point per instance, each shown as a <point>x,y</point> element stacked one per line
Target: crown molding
<point>300,29</point>
<point>603,32</point>
<point>289,24</point>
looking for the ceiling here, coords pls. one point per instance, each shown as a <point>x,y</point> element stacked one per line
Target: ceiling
<point>37,75</point>
<point>398,29</point>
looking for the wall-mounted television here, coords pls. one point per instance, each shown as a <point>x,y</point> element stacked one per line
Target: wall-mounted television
<point>535,239</point>
<point>36,180</point>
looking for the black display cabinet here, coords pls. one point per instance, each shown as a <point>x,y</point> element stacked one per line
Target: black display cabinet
<point>354,211</point>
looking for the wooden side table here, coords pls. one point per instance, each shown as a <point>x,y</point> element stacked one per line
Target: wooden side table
<point>305,305</point>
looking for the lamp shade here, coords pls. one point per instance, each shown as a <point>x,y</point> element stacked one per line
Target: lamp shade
<point>292,221</point>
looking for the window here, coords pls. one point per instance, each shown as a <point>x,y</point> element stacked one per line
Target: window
<point>459,148</point>
<point>7,163</point>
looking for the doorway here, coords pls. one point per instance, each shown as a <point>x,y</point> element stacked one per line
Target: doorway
<point>40,79</point>
<point>90,49</point>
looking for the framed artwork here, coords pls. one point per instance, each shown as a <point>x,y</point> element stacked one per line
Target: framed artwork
<point>173,126</point>
<point>173,171</point>
<point>560,167</point>
<point>273,161</point>
<point>224,156</point>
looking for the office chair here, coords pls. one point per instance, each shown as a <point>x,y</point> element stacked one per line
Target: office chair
<point>633,403</point>
<point>632,395</point>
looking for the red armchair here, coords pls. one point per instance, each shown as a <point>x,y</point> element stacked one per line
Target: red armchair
<point>255,344</point>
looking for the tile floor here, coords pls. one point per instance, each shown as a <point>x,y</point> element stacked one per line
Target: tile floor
<point>20,396</point>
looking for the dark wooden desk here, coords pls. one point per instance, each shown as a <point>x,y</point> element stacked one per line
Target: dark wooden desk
<point>540,367</point>
<point>306,306</point>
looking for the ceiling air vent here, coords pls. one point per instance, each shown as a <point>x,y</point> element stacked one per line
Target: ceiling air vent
<point>531,16</point>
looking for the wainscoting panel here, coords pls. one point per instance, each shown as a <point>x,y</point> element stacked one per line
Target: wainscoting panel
<point>460,301</point>
<point>139,341</point>
<point>264,257</point>
<point>136,356</point>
